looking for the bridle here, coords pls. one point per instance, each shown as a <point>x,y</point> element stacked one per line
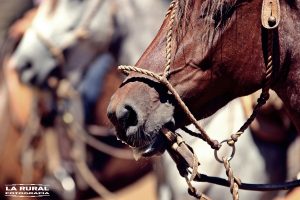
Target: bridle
<point>178,149</point>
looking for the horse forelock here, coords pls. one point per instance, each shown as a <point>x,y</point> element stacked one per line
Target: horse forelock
<point>208,8</point>
<point>184,13</point>
<point>208,11</point>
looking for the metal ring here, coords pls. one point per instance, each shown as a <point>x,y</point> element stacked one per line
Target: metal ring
<point>232,153</point>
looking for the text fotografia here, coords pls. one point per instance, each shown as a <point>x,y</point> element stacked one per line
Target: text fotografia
<point>27,190</point>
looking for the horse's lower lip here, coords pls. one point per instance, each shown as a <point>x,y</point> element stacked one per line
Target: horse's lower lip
<point>156,147</point>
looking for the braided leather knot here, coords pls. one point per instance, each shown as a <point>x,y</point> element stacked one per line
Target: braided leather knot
<point>216,144</point>
<point>198,195</point>
<point>234,139</point>
<point>263,98</point>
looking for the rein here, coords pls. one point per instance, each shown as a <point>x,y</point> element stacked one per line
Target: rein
<point>180,152</point>
<point>184,154</point>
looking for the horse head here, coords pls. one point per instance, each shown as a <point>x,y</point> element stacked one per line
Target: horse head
<point>65,36</point>
<point>217,54</point>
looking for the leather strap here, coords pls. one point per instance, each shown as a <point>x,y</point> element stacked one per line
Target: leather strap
<point>270,14</point>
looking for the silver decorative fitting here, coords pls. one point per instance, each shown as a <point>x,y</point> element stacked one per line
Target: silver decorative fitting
<point>272,21</point>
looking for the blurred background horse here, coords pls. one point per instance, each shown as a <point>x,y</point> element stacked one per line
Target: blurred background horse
<point>76,43</point>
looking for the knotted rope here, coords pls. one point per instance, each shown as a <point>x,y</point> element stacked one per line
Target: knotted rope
<point>234,182</point>
<point>214,144</point>
<point>163,79</point>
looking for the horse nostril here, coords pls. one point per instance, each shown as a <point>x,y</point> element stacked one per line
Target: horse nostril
<point>127,117</point>
<point>27,73</point>
<point>26,66</point>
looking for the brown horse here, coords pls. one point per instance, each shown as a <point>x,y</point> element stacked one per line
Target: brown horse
<point>212,67</point>
<point>217,55</point>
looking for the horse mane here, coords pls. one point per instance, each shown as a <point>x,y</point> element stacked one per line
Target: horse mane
<point>209,8</point>
<point>210,11</point>
<point>183,13</point>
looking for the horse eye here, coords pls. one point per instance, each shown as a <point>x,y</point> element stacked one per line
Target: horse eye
<point>223,14</point>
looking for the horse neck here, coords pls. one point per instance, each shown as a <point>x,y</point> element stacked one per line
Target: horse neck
<point>288,84</point>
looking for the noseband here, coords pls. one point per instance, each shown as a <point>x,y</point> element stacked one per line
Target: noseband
<point>179,150</point>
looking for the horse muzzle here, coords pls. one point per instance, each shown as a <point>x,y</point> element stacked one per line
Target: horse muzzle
<point>140,126</point>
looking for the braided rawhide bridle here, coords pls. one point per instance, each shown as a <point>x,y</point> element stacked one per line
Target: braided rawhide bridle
<point>180,152</point>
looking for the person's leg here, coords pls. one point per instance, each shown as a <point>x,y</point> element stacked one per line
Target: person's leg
<point>91,86</point>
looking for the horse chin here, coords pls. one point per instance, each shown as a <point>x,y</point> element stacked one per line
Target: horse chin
<point>142,146</point>
<point>156,147</point>
<point>158,142</point>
